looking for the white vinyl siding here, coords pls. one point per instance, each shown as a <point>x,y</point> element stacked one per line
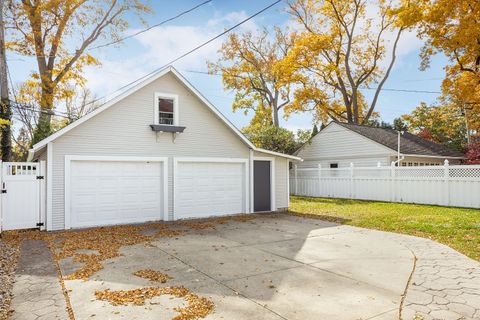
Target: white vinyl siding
<point>123,130</point>
<point>345,162</point>
<point>336,144</point>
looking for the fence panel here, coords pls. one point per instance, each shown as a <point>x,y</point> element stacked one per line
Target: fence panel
<point>446,185</point>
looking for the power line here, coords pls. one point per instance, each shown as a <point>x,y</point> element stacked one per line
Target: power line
<point>190,51</point>
<point>134,34</point>
<point>23,106</point>
<point>366,88</point>
<point>172,61</point>
<point>151,27</point>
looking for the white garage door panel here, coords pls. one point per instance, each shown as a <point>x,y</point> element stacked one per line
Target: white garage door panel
<point>209,189</point>
<point>115,192</point>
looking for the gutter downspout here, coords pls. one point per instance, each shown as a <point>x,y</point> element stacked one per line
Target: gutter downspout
<point>400,157</point>
<point>31,153</point>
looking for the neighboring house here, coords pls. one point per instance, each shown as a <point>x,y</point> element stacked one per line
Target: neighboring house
<point>159,151</point>
<point>340,144</point>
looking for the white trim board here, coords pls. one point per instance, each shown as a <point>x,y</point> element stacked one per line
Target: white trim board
<point>273,202</point>
<point>245,163</point>
<point>49,177</point>
<point>70,158</point>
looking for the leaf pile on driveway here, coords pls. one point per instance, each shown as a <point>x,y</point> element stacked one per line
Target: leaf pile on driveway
<point>197,307</point>
<point>152,275</point>
<point>8,262</point>
<point>105,243</point>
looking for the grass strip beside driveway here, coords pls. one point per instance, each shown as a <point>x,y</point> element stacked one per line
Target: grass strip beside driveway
<point>458,228</point>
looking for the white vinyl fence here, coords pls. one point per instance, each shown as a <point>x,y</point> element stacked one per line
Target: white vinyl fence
<point>455,185</point>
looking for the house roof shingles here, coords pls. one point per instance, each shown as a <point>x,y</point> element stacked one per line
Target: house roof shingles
<point>409,143</point>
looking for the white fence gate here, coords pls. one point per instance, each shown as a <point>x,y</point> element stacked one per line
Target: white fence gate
<point>23,194</point>
<point>456,185</point>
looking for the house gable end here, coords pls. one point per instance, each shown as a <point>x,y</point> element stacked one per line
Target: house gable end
<point>126,124</point>
<point>337,141</point>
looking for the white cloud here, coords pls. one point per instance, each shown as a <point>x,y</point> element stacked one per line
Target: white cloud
<point>161,45</point>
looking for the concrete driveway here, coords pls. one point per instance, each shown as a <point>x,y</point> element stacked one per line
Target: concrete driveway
<point>286,267</point>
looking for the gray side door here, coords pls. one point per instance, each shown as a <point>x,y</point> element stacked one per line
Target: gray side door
<point>261,186</point>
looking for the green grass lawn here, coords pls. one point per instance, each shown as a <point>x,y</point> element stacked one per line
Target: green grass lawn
<point>456,227</point>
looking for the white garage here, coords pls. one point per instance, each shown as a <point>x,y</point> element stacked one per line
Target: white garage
<point>107,191</point>
<point>159,151</point>
<point>210,187</point>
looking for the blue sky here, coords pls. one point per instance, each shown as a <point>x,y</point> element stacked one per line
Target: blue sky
<point>140,55</point>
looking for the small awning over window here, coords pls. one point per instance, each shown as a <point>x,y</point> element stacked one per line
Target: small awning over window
<point>166,128</point>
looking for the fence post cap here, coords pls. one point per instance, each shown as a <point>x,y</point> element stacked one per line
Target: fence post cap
<point>351,164</point>
<point>446,162</point>
<point>392,164</point>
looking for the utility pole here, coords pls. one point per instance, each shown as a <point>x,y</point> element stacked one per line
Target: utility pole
<point>5,111</point>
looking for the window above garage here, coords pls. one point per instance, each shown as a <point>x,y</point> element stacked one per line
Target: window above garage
<point>166,109</point>
<point>166,115</point>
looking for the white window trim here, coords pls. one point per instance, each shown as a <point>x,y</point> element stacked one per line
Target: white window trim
<point>245,163</point>
<point>273,202</point>
<point>173,97</point>
<point>69,158</point>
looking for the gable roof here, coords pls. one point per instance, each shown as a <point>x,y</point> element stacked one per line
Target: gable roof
<point>170,69</point>
<point>410,144</point>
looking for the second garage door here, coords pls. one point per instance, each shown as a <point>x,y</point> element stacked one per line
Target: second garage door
<point>115,192</point>
<point>205,189</point>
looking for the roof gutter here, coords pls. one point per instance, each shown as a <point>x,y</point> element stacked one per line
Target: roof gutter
<point>430,156</point>
<point>278,154</point>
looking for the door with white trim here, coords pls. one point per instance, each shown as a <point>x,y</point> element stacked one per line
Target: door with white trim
<point>21,195</point>
<point>102,192</point>
<point>204,189</point>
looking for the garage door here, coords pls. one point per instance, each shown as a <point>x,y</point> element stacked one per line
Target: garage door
<point>115,192</point>
<point>205,189</point>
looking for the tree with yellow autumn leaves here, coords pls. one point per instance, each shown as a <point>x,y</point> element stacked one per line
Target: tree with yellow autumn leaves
<point>338,51</point>
<point>341,50</point>
<point>451,27</point>
<point>58,33</point>
<point>246,65</point>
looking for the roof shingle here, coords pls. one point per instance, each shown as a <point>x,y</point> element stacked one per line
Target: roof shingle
<point>409,143</point>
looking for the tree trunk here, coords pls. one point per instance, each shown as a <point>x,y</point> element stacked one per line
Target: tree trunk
<point>5,112</point>
<point>44,128</point>
<point>275,115</point>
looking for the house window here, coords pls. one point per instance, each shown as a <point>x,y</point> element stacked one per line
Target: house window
<point>333,165</point>
<point>166,109</point>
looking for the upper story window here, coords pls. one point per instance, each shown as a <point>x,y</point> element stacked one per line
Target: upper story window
<point>166,109</point>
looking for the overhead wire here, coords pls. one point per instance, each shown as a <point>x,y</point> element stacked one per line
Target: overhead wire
<point>140,31</point>
<point>151,27</point>
<point>131,83</point>
<point>366,88</point>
